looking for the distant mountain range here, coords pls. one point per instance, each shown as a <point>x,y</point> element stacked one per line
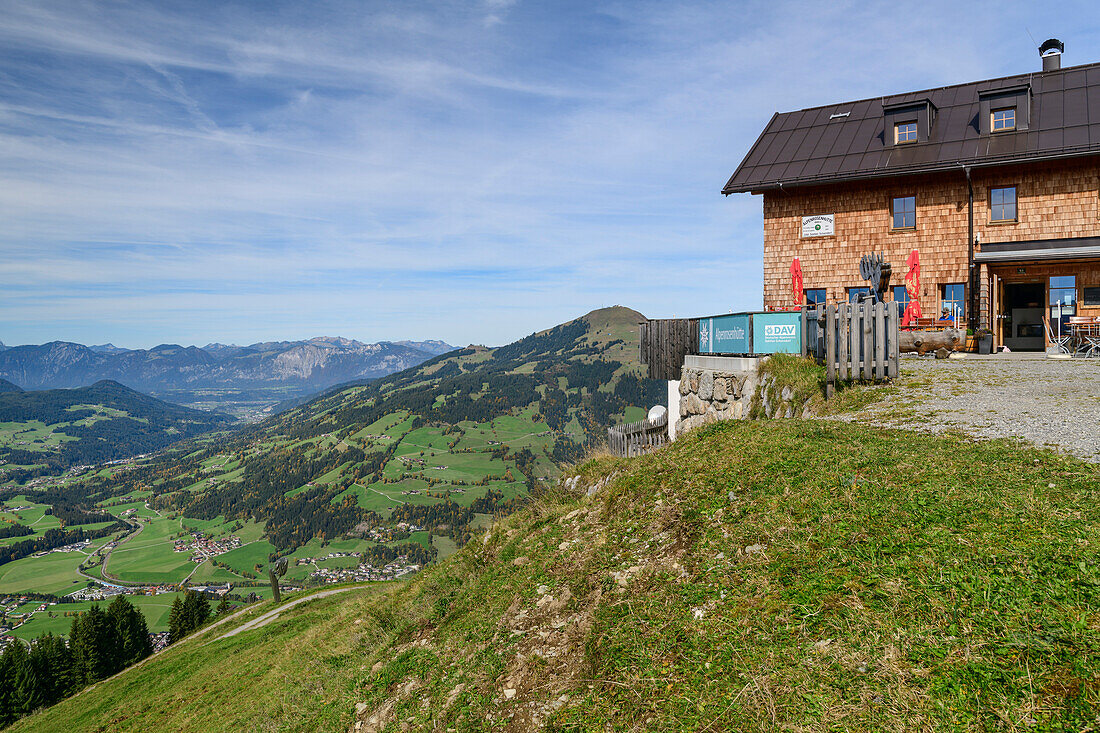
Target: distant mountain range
<point>303,365</point>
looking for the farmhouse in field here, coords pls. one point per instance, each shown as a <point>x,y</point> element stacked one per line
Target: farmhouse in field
<point>988,192</point>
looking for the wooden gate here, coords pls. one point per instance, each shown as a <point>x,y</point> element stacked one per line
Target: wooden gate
<point>856,342</point>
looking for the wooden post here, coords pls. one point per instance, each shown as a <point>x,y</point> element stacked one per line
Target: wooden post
<point>894,331</point>
<point>880,339</point>
<point>857,342</point>
<point>842,341</point>
<point>830,351</point>
<point>866,339</point>
<point>805,335</point>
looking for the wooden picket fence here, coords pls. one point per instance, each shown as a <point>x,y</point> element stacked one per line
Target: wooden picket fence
<point>856,342</point>
<point>635,438</point>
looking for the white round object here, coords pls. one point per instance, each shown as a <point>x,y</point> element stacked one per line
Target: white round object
<point>656,412</point>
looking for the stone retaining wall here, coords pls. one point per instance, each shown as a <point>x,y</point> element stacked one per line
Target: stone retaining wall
<point>708,395</point>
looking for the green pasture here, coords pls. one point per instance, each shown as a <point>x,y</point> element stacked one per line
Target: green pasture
<point>149,557</point>
<point>246,557</point>
<point>53,573</point>
<point>208,573</point>
<point>445,546</point>
<point>35,518</point>
<point>32,435</point>
<point>118,509</point>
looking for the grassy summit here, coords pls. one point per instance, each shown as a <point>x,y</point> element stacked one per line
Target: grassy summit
<point>753,576</point>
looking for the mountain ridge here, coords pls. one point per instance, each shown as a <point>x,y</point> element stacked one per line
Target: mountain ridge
<point>311,364</point>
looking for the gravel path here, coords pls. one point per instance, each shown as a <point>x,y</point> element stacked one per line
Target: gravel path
<point>272,615</point>
<point>1049,402</point>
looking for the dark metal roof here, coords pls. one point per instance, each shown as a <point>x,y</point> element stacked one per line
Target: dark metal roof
<point>843,142</point>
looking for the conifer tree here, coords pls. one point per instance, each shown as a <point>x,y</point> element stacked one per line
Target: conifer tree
<point>26,681</point>
<point>95,645</point>
<point>175,621</point>
<point>11,702</point>
<point>223,606</point>
<point>133,632</point>
<point>7,713</point>
<point>53,662</point>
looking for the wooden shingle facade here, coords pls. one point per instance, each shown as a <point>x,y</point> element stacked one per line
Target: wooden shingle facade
<point>1006,221</point>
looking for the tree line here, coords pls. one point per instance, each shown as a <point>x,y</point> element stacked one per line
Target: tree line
<point>189,614</point>
<point>15,530</point>
<point>53,538</point>
<point>101,643</point>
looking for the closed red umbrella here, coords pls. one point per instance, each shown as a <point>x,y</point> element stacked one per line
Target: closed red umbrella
<point>912,286</point>
<point>796,281</point>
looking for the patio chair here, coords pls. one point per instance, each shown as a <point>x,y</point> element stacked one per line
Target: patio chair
<point>1087,333</point>
<point>1059,341</point>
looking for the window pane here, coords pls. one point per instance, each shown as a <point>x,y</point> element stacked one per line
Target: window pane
<point>905,208</point>
<point>854,293</point>
<point>1063,290</point>
<point>1004,119</point>
<point>901,297</point>
<point>815,296</point>
<point>1002,204</point>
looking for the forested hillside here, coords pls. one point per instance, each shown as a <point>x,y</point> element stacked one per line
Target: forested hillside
<point>48,431</point>
<point>435,450</point>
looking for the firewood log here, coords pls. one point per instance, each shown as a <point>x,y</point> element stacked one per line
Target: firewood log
<point>922,342</point>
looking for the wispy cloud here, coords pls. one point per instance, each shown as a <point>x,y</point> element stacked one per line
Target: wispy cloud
<point>466,170</point>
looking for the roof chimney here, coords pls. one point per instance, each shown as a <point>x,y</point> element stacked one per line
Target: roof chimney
<point>1051,53</point>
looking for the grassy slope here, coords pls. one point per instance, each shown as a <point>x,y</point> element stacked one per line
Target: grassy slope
<point>787,576</point>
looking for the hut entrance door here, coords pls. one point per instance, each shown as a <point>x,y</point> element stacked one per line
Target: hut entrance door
<point>1021,316</point>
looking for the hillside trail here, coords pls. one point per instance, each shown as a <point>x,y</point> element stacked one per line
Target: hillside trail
<point>273,614</point>
<point>219,622</point>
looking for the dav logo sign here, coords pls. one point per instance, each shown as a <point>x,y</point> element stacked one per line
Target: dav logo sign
<point>783,332</point>
<point>774,332</point>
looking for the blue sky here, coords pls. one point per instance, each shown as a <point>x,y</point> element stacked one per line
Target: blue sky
<point>471,171</point>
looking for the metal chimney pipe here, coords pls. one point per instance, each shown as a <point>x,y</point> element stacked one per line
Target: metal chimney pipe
<point>1051,53</point>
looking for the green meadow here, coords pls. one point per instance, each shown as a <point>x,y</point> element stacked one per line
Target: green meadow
<point>56,572</point>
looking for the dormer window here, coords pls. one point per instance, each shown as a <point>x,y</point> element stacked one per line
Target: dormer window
<point>1004,110</point>
<point>1003,120</point>
<point>905,132</point>
<point>908,121</point>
